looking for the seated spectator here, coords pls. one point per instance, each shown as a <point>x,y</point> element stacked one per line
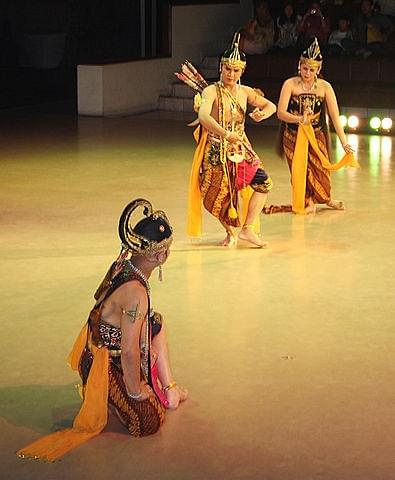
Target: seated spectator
<point>335,40</point>
<point>387,7</point>
<point>313,24</point>
<point>370,31</point>
<point>287,24</point>
<point>257,36</point>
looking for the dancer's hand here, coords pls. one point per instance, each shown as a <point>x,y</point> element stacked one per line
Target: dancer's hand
<point>348,148</point>
<point>257,114</point>
<point>144,393</point>
<point>306,118</point>
<point>175,396</point>
<point>233,137</point>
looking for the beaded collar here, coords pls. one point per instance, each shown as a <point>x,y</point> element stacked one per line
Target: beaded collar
<point>140,274</point>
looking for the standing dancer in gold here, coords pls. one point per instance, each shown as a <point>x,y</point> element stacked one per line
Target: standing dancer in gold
<point>304,100</point>
<point>224,162</point>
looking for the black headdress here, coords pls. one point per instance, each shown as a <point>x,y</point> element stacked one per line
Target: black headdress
<point>312,55</point>
<point>150,234</point>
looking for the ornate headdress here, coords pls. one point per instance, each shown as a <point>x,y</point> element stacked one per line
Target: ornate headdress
<point>312,55</point>
<point>234,57</point>
<point>149,235</point>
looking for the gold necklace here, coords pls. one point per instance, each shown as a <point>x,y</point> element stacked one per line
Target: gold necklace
<point>236,90</point>
<point>140,274</point>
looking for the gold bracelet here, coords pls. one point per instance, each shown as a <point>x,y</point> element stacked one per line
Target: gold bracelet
<point>168,387</point>
<point>135,396</point>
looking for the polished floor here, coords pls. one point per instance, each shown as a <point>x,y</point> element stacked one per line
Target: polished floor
<point>288,352</point>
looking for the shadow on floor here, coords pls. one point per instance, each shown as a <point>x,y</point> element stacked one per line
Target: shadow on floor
<point>43,408</point>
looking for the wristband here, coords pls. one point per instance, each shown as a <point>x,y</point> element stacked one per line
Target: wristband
<point>168,387</point>
<point>135,396</point>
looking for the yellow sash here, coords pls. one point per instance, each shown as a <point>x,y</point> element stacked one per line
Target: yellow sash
<point>92,417</point>
<point>194,221</point>
<point>305,136</point>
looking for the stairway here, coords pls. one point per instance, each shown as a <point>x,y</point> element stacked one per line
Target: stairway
<point>180,96</point>
<point>178,102</point>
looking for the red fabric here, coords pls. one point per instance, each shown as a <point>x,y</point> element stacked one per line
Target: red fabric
<point>245,173</point>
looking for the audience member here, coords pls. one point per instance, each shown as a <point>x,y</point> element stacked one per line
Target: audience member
<point>335,40</point>
<point>370,31</point>
<point>387,7</point>
<point>363,26</point>
<point>257,36</point>
<point>287,24</point>
<point>313,25</point>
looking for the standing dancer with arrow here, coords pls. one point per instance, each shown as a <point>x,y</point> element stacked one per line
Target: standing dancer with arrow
<point>224,162</point>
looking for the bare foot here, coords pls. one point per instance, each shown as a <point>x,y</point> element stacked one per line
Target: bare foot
<point>247,234</point>
<point>336,205</point>
<point>176,395</point>
<point>229,240</point>
<point>311,208</point>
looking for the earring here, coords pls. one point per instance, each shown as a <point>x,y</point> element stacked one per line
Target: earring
<point>160,274</point>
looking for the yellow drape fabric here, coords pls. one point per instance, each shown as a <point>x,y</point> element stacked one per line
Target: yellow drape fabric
<point>194,221</point>
<point>306,137</point>
<point>92,417</point>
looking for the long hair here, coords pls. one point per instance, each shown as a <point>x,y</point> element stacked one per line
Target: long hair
<point>282,19</point>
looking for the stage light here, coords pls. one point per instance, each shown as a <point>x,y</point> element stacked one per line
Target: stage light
<point>375,123</point>
<point>353,122</point>
<point>386,123</point>
<point>343,120</point>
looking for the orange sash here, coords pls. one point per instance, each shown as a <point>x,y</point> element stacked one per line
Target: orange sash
<point>306,137</point>
<point>92,417</point>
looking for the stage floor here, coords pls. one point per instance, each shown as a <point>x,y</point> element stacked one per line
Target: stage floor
<point>288,352</point>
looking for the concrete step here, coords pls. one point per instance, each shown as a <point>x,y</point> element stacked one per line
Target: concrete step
<point>180,96</point>
<point>181,90</point>
<point>211,63</point>
<point>185,106</point>
<point>209,73</point>
<point>175,104</point>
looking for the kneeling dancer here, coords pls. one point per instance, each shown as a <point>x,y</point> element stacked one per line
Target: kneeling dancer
<point>121,353</point>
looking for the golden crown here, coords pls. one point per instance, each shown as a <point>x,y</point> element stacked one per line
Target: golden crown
<point>312,55</point>
<point>234,57</point>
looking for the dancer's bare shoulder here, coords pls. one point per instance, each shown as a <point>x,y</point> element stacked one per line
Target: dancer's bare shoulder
<point>209,91</point>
